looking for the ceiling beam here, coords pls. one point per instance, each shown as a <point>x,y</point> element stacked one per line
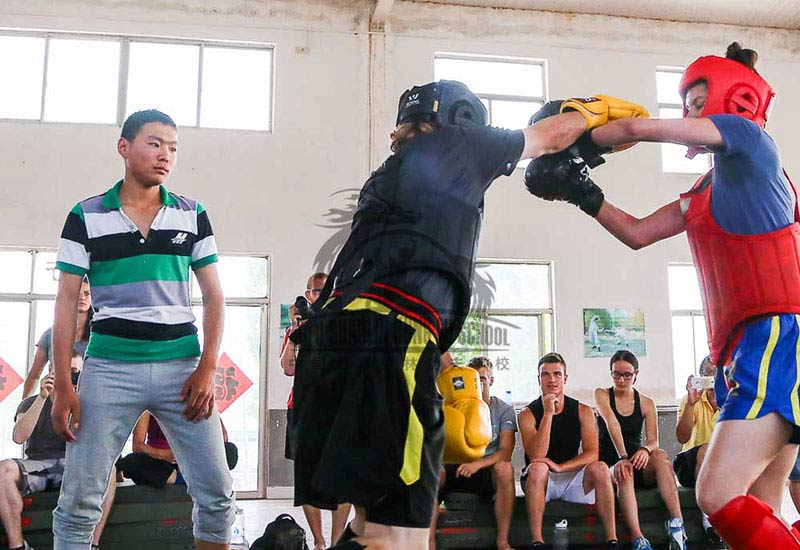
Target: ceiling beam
<point>379,13</point>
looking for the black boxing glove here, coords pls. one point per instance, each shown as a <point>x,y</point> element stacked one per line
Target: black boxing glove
<point>563,177</point>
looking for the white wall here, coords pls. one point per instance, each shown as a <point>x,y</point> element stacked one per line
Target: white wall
<point>267,192</point>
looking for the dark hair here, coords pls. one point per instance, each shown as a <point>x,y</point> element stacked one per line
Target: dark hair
<point>624,355</point>
<point>133,124</point>
<point>480,362</point>
<point>551,357</point>
<point>746,57</point>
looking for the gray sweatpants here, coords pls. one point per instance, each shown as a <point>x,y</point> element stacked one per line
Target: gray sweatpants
<point>113,395</point>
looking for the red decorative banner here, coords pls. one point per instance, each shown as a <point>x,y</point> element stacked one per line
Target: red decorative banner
<point>229,382</point>
<point>9,379</point>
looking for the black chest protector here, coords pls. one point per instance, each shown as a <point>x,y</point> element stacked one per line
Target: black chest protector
<point>403,223</point>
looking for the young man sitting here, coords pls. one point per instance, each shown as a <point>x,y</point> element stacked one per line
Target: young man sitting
<point>559,435</point>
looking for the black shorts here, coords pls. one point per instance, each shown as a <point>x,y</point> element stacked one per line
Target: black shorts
<point>685,466</point>
<point>481,483</point>
<point>368,416</point>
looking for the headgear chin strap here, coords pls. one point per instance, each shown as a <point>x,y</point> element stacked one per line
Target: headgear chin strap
<point>733,88</point>
<point>443,103</point>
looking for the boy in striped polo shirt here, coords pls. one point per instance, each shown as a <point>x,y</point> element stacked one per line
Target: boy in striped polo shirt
<point>136,244</point>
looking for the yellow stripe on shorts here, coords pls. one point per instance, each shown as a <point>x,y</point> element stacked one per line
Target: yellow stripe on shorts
<point>763,370</point>
<point>412,451</point>
<point>795,400</point>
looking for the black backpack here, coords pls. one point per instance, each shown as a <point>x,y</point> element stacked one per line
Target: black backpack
<point>282,534</point>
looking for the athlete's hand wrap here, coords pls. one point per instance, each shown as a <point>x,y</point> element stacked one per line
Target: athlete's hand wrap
<point>467,419</point>
<point>563,177</point>
<point>600,109</point>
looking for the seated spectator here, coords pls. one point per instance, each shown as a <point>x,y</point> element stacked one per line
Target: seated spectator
<point>493,475</point>
<point>44,347</point>
<point>697,415</point>
<point>559,435</point>
<point>623,413</point>
<point>43,466</point>
<point>152,461</point>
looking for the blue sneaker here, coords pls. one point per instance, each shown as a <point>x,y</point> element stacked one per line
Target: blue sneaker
<point>676,533</point>
<point>641,543</point>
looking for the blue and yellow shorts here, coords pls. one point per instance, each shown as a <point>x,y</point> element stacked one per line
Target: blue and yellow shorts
<point>764,374</point>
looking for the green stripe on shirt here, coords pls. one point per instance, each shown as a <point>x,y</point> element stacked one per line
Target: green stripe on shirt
<point>117,348</point>
<point>69,268</point>
<point>145,267</point>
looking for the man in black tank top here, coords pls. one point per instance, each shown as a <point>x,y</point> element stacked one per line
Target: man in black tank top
<point>561,453</point>
<point>624,412</point>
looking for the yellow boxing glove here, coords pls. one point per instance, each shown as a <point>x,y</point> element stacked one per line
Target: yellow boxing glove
<point>467,419</point>
<point>599,109</point>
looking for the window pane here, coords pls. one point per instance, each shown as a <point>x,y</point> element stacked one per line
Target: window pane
<point>164,77</point>
<point>241,277</point>
<point>82,80</point>
<point>700,339</point>
<point>21,64</point>
<point>242,343</point>
<point>16,273</point>
<point>673,156</point>
<point>513,114</point>
<point>14,351</point>
<point>512,344</point>
<point>493,77</point>
<point>44,311</point>
<point>667,87</point>
<point>684,289</point>
<point>512,286</point>
<point>45,276</point>
<point>683,354</point>
<point>236,88</point>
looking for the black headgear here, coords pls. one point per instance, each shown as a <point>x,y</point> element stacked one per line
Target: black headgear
<point>443,103</point>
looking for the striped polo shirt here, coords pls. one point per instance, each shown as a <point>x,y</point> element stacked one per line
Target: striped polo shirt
<point>140,287</point>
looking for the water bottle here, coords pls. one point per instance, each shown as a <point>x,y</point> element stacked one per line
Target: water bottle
<point>508,397</point>
<point>238,542</point>
<point>561,536</point>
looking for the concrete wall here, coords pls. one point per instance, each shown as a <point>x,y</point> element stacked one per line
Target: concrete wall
<point>336,87</point>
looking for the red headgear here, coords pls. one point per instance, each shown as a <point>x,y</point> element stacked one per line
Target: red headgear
<point>733,88</point>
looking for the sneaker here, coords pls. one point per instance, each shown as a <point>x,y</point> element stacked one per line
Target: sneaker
<point>676,533</point>
<point>641,543</point>
<point>713,539</point>
<point>612,545</point>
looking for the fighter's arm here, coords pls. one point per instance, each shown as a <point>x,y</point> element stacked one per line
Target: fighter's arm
<point>693,132</point>
<point>589,442</point>
<point>602,401</point>
<point>535,442</point>
<point>637,233</point>
<point>552,134</point>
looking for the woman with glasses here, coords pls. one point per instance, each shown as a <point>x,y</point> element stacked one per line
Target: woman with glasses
<point>623,413</point>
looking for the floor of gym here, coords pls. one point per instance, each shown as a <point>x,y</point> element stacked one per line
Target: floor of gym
<point>260,512</point>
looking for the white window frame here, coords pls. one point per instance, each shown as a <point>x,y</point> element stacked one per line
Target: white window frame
<point>125,42</point>
<point>693,315</point>
<point>667,105</point>
<point>263,303</point>
<point>546,316</point>
<point>503,59</point>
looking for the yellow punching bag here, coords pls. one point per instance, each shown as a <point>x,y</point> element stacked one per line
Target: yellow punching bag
<point>467,420</point>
